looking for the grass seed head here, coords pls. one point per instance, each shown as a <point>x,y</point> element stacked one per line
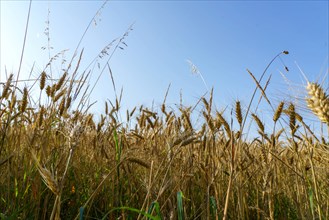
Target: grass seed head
<point>292,117</point>
<point>48,91</point>
<point>41,113</point>
<point>62,106</point>
<point>61,81</point>
<point>5,91</point>
<point>68,102</point>
<point>278,112</point>
<point>60,94</point>
<point>106,108</point>
<point>12,102</point>
<point>318,101</point>
<point>223,122</point>
<point>259,123</point>
<point>43,80</point>
<point>24,100</point>
<point>238,112</point>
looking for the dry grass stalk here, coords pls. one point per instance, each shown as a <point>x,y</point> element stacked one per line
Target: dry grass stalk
<point>259,87</point>
<point>5,160</point>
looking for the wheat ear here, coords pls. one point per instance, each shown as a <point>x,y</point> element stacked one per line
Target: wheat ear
<point>318,101</point>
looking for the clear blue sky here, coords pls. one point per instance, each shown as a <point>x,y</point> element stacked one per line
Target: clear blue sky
<point>222,38</point>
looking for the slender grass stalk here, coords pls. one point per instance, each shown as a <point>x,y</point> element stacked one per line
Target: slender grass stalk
<point>24,41</point>
<point>259,81</point>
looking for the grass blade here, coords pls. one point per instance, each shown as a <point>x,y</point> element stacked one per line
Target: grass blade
<point>180,210</point>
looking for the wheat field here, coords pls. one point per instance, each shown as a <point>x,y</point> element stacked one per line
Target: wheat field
<point>58,161</point>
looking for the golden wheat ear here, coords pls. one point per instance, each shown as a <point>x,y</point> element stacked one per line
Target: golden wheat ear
<point>238,112</point>
<point>318,101</point>
<point>47,176</point>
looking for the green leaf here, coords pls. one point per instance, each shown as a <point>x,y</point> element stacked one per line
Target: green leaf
<point>156,206</point>
<point>310,194</point>
<point>3,216</point>
<point>213,207</point>
<point>16,188</point>
<point>81,213</point>
<point>180,210</point>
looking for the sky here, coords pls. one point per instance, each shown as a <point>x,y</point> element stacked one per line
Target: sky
<point>221,38</point>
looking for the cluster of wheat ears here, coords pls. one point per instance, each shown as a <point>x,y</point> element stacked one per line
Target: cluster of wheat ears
<point>58,161</point>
